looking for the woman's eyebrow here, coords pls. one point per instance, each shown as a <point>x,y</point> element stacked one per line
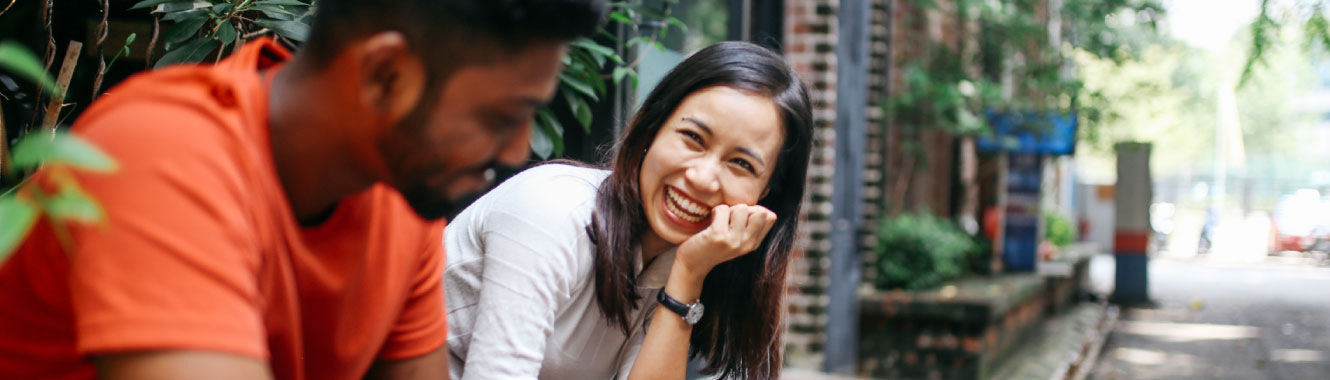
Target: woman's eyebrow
<point>700,124</point>
<point>707,129</point>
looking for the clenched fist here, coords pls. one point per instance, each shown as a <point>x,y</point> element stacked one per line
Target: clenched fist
<point>734,231</point>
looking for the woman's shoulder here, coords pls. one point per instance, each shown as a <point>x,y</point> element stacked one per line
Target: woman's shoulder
<point>550,192</point>
<point>560,175</point>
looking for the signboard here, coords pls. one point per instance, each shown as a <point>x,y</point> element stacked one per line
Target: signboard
<point>1030,132</point>
<point>1020,234</point>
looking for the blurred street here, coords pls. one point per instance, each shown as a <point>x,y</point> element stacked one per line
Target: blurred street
<point>1233,313</point>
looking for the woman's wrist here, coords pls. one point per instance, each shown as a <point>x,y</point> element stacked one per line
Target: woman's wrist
<point>684,284</point>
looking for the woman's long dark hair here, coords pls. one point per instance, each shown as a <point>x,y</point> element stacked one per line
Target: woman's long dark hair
<point>739,335</point>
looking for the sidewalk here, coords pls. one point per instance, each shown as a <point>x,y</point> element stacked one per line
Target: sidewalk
<point>1065,349</point>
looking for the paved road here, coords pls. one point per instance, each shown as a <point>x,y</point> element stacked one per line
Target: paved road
<point>1224,316</point>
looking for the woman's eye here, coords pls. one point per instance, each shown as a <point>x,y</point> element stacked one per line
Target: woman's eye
<point>745,165</point>
<point>691,135</point>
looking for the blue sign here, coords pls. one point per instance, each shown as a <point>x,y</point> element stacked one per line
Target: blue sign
<point>1030,132</point>
<point>1020,236</point>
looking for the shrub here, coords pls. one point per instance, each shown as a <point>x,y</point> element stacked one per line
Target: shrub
<point>917,251</point>
<point>1058,229</point>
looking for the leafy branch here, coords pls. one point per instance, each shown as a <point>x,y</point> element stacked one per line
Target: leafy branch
<point>1266,27</point>
<point>583,79</point>
<point>22,205</point>
<point>203,28</point>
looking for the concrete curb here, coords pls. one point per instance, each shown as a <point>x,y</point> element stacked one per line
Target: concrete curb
<point>1094,345</point>
<point>1065,349</point>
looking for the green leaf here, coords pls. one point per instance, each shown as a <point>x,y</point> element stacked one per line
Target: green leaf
<point>17,59</point>
<point>73,204</point>
<point>578,85</point>
<point>593,78</point>
<point>16,219</point>
<point>619,73</point>
<point>677,23</point>
<point>548,141</point>
<point>294,30</point>
<point>598,49</point>
<point>187,15</point>
<point>606,34</point>
<point>541,144</point>
<point>226,33</point>
<point>221,9</point>
<point>581,110</point>
<point>193,51</point>
<point>280,2</point>
<point>37,148</point>
<point>640,40</point>
<point>177,7</point>
<point>183,30</point>
<point>152,3</point>
<point>623,19</point>
<point>273,11</point>
<point>593,60</point>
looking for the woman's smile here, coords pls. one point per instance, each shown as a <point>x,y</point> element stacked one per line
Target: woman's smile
<point>685,211</point>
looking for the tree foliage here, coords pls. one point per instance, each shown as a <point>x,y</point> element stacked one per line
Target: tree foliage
<point>1265,31</point>
<point>199,29</point>
<point>1014,61</point>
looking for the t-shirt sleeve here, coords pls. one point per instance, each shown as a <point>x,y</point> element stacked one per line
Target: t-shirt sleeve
<point>533,260</point>
<point>174,263</point>
<point>422,327</point>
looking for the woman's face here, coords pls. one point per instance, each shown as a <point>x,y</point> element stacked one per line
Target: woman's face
<point>719,147</point>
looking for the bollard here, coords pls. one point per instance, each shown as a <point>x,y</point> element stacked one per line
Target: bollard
<point>1131,236</point>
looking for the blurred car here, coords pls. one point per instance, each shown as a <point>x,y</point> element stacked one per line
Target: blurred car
<point>1301,223</point>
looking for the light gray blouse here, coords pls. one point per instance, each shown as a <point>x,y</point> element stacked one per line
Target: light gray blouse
<point>519,289</point>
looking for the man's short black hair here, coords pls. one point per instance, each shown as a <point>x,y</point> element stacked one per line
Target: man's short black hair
<point>452,32</point>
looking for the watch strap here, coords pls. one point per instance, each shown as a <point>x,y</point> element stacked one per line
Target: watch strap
<point>674,305</point>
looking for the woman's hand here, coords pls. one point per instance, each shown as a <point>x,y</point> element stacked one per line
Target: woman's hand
<point>734,231</point>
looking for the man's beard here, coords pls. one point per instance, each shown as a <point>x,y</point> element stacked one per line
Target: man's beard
<point>432,204</point>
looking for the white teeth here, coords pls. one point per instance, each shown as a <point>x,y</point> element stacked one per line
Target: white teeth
<point>685,209</point>
<point>682,215</point>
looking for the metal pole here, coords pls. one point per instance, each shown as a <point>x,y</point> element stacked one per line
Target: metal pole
<point>847,198</point>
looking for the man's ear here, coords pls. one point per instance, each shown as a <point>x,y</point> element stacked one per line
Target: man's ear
<point>392,76</point>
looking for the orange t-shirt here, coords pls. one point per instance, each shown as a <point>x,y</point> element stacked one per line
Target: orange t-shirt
<point>200,251</point>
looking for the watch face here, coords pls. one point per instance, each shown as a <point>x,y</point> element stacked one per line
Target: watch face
<point>694,314</point>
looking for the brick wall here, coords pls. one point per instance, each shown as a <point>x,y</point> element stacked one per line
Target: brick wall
<point>811,29</point>
<point>912,30</point>
<point>897,33</point>
<point>879,66</point>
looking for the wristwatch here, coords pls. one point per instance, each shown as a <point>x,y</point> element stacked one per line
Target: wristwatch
<point>691,312</point>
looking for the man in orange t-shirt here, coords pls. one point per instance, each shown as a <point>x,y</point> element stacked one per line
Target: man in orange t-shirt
<point>273,214</point>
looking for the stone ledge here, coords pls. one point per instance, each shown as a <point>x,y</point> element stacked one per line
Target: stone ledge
<point>976,299</point>
<point>962,330</point>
